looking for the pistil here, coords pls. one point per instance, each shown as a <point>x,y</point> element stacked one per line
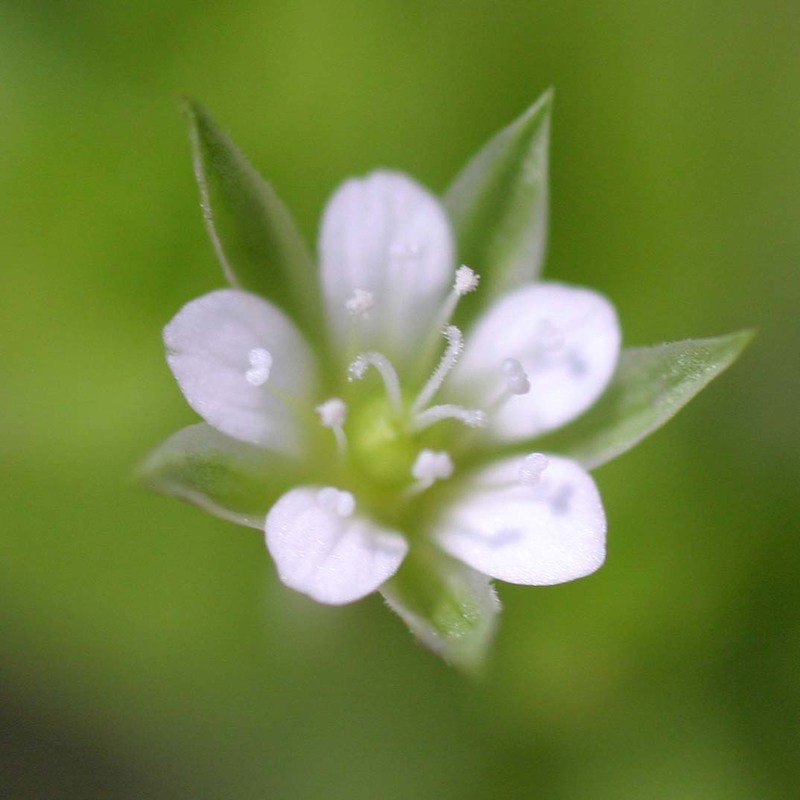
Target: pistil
<point>332,414</point>
<point>430,466</point>
<point>455,346</point>
<point>391,382</point>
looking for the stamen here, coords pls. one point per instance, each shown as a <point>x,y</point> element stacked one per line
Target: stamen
<point>360,303</point>
<point>332,414</point>
<point>455,344</point>
<point>516,383</point>
<point>388,373</point>
<point>471,417</point>
<point>343,504</point>
<point>516,378</point>
<point>429,467</point>
<point>358,307</point>
<point>466,280</point>
<point>260,366</point>
<point>530,473</point>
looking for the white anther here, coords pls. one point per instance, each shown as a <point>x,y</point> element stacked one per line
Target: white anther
<point>260,366</point>
<point>466,281</point>
<point>358,368</point>
<point>360,302</point>
<point>471,417</point>
<point>332,413</point>
<point>343,504</point>
<point>455,345</point>
<point>432,465</point>
<point>516,378</point>
<point>530,473</point>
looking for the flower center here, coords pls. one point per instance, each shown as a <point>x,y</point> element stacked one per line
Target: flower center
<point>391,446</point>
<point>379,447</point>
<point>388,439</point>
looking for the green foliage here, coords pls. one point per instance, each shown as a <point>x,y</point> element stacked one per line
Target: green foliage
<point>449,607</point>
<point>228,478</point>
<point>498,203</point>
<point>650,386</point>
<point>148,651</point>
<point>253,233</point>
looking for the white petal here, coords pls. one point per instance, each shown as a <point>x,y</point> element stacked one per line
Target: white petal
<point>567,341</point>
<point>551,532</point>
<point>333,556</point>
<point>388,236</point>
<point>236,358</point>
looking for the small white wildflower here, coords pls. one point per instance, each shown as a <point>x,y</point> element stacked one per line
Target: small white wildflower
<point>410,406</point>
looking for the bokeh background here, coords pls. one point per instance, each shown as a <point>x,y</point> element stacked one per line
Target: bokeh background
<point>148,651</point>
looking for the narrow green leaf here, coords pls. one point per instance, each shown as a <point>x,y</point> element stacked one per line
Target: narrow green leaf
<point>498,203</point>
<point>253,233</point>
<point>228,478</point>
<point>449,607</point>
<point>650,386</point>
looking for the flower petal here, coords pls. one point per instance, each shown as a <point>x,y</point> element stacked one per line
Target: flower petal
<point>388,236</point>
<point>567,341</point>
<point>541,534</point>
<point>325,551</point>
<point>237,359</point>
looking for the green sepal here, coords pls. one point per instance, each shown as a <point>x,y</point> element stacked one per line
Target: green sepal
<point>228,478</point>
<point>498,204</point>
<point>254,235</point>
<point>448,606</point>
<point>651,385</point>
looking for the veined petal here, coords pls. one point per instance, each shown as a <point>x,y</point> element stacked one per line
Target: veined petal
<point>238,359</point>
<point>565,339</point>
<point>325,550</point>
<point>387,236</point>
<point>548,531</point>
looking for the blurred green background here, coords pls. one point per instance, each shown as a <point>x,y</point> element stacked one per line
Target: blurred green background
<point>148,651</point>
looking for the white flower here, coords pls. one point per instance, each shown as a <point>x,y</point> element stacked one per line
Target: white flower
<point>409,431</point>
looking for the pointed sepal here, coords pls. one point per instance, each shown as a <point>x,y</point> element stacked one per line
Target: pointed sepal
<point>449,607</point>
<point>228,478</point>
<point>498,204</point>
<point>253,233</point>
<point>650,386</point>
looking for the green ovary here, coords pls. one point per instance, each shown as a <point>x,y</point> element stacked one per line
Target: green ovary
<point>381,451</point>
